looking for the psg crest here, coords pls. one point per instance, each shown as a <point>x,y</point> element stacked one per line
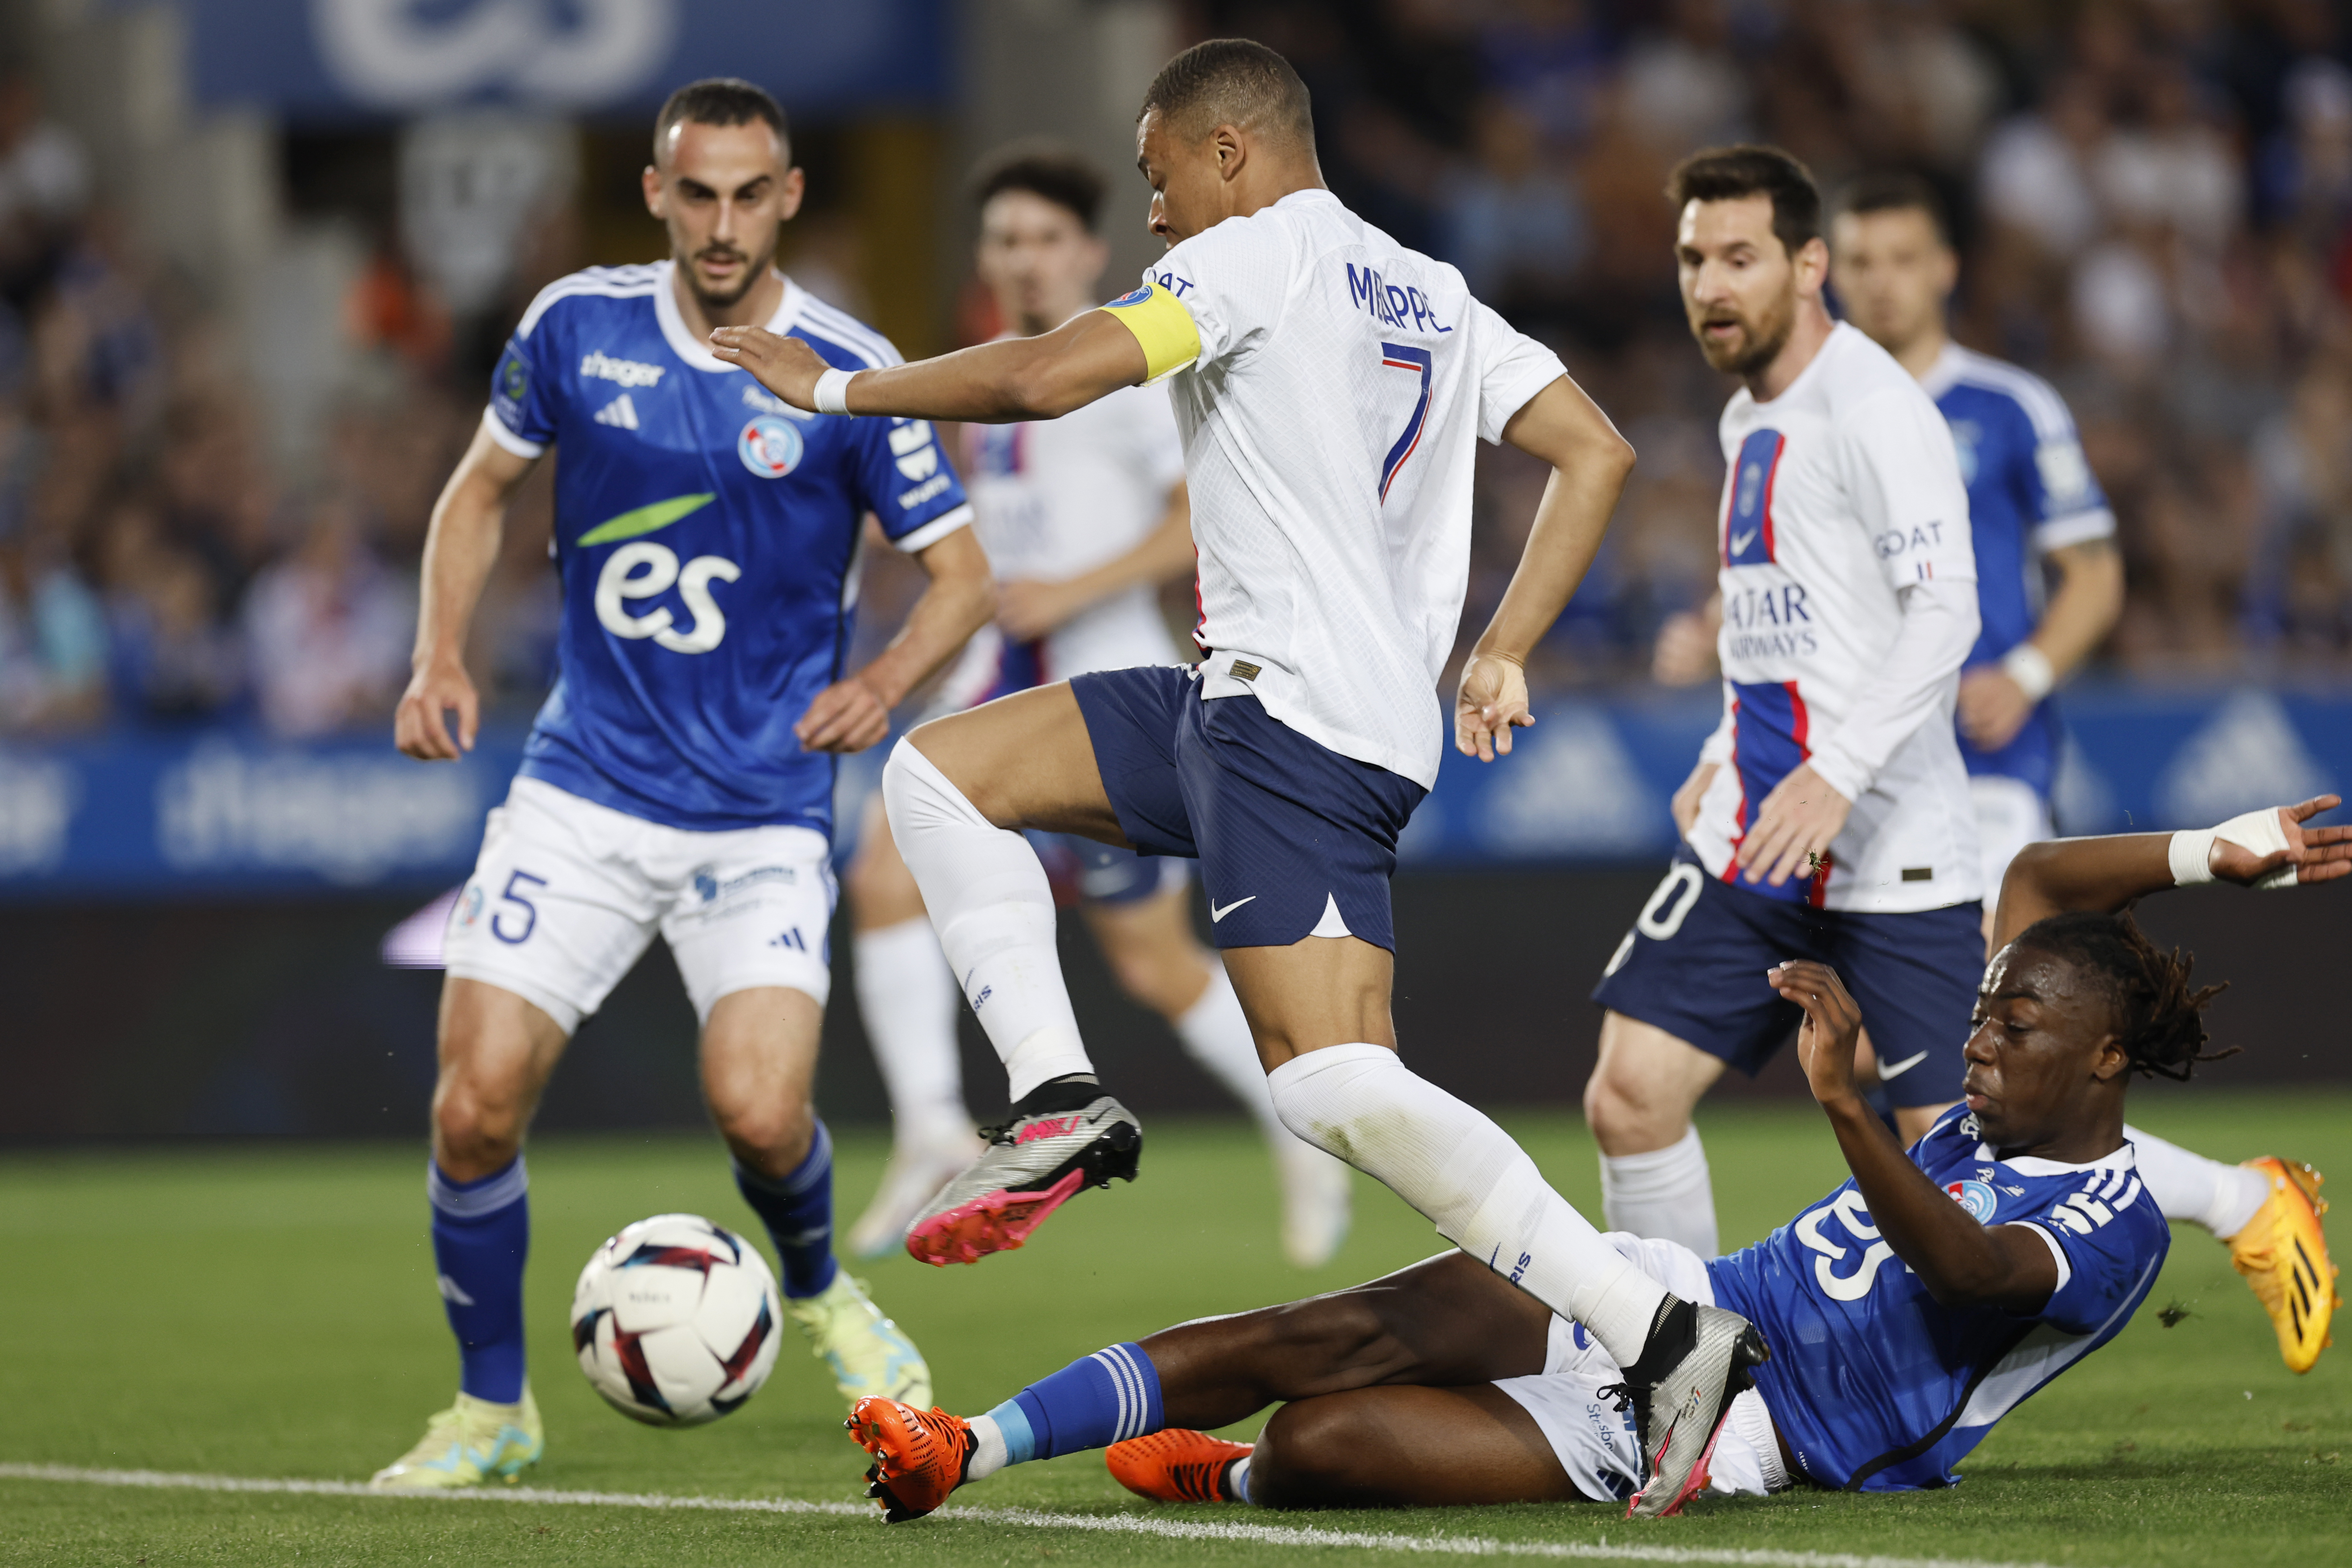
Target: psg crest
<point>769,447</point>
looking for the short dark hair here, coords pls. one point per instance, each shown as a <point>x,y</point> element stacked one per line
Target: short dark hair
<point>1730,173</point>
<point>1231,82</point>
<point>1896,191</point>
<point>720,101</point>
<point>2158,1020</point>
<point>1043,169</point>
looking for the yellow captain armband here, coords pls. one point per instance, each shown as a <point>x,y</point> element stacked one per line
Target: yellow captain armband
<point>1163,328</point>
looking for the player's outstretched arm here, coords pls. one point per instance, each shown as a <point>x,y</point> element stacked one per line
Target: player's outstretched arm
<point>1043,377</point>
<point>1028,608</point>
<point>1589,461</point>
<point>2276,848</point>
<point>1961,1262</point>
<point>854,712</point>
<point>461,548</point>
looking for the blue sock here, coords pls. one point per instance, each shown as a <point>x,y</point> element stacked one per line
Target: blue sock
<point>482,1235</point>
<point>797,1209</point>
<point>1109,1397</point>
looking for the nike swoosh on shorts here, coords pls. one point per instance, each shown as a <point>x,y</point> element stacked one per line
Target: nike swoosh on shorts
<point>1216,914</point>
<point>1891,1069</point>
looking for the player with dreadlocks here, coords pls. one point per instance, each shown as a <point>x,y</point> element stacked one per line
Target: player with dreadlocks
<point>2020,1235</point>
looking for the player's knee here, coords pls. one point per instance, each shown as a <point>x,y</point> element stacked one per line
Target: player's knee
<point>1166,982</point>
<point>478,1125</point>
<point>1628,1114</point>
<point>771,1135</point>
<point>1305,1456</point>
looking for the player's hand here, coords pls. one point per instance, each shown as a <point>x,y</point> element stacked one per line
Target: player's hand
<point>1825,1042</point>
<point>785,366</point>
<point>1491,703</point>
<point>1794,829</point>
<point>1685,803</point>
<point>847,716</point>
<point>2317,854</point>
<point>420,726</point>
<point>1994,708</point>
<point>1686,651</point>
<point>1028,608</point>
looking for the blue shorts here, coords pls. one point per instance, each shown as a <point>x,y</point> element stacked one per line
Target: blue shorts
<point>1293,838</point>
<point>1694,965</point>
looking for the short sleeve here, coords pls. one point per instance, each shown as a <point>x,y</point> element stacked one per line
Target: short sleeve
<point>2064,504</point>
<point>1230,282</point>
<point>1512,368</point>
<point>904,479</point>
<point>524,391</point>
<point>1904,476</point>
<point>2107,1250</point>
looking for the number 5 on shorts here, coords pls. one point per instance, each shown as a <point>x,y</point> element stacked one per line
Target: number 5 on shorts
<point>530,909</point>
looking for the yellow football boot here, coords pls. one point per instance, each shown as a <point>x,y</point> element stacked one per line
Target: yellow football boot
<point>2283,1253</point>
<point>467,1444</point>
<point>867,1355</point>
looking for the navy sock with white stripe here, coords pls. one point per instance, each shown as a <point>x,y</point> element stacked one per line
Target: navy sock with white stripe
<point>797,1209</point>
<point>481,1237</point>
<point>1109,1397</point>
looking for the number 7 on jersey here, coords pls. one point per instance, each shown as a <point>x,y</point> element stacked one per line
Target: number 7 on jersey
<point>1402,356</point>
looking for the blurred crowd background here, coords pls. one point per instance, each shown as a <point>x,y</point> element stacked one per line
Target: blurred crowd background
<point>211,508</point>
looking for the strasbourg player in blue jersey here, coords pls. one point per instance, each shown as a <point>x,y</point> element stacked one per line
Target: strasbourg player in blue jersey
<point>679,779</point>
<point>1906,1311</point>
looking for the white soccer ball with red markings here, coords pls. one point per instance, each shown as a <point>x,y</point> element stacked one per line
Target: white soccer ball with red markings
<point>675,1321</point>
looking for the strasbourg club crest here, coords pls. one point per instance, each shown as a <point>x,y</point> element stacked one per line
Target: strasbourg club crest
<point>769,447</point>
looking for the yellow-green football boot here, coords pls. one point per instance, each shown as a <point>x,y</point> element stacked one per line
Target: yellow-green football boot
<point>466,1444</point>
<point>866,1352</point>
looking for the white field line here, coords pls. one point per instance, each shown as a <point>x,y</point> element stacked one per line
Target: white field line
<point>1025,1518</point>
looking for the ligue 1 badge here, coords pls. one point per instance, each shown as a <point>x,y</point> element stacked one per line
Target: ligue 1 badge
<point>1976,1198</point>
<point>769,447</point>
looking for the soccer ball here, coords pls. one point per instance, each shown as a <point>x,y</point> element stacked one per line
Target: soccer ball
<point>675,1321</point>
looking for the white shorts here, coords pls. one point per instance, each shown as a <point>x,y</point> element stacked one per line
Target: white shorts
<point>2010,815</point>
<point>567,895</point>
<point>1594,1441</point>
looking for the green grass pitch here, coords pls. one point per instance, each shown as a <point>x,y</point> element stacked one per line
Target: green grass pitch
<point>270,1313</point>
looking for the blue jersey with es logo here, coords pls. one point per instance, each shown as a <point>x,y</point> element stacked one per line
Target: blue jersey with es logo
<point>1876,1385</point>
<point>2031,492</point>
<point>707,538</point>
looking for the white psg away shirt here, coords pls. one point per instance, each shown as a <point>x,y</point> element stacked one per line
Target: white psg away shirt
<point>1331,385</point>
<point>1842,492</point>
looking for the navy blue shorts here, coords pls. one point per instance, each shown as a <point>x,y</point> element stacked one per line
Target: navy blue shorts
<point>1694,965</point>
<point>1289,834</point>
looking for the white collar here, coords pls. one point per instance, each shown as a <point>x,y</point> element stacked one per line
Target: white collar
<point>682,342</point>
<point>1945,371</point>
<point>2122,1158</point>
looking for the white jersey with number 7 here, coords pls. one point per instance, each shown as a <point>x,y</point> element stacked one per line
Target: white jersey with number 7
<point>1330,385</point>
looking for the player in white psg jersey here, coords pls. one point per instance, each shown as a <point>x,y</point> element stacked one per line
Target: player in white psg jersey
<point>1828,814</point>
<point>1331,386</point>
<point>1083,518</point>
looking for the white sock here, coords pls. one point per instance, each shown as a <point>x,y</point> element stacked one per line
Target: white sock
<point>1217,1036</point>
<point>988,1453</point>
<point>1452,1163</point>
<point>1237,1479</point>
<point>2190,1187</point>
<point>988,896</point>
<point>907,997</point>
<point>1664,1193</point>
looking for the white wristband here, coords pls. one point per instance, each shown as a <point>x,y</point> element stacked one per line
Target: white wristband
<point>2192,855</point>
<point>833,391</point>
<point>2031,669</point>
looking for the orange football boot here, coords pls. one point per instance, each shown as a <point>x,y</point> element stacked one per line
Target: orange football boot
<point>918,1456</point>
<point>1175,1465</point>
<point>2283,1253</point>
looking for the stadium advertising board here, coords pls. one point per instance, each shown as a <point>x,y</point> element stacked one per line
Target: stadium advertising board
<point>216,811</point>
